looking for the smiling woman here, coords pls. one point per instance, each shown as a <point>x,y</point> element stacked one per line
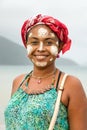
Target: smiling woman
<point>46,98</point>
<point>42,42</point>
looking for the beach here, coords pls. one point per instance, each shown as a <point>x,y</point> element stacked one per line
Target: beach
<point>8,73</point>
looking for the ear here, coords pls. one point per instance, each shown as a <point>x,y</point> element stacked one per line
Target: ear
<point>60,47</point>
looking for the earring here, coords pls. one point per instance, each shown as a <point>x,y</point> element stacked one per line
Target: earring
<point>57,56</point>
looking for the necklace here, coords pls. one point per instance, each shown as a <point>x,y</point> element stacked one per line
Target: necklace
<point>46,76</point>
<point>38,90</point>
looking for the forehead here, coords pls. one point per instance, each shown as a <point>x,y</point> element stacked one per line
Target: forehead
<point>41,31</point>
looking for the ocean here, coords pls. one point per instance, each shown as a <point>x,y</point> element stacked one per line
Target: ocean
<point>8,73</point>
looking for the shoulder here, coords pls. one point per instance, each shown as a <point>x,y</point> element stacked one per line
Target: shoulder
<point>17,80</point>
<point>73,91</point>
<point>77,103</point>
<point>16,83</point>
<point>74,85</point>
<point>76,95</point>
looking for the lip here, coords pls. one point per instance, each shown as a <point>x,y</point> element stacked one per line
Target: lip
<point>40,57</point>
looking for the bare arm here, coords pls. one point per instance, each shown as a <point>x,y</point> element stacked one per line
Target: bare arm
<point>77,108</point>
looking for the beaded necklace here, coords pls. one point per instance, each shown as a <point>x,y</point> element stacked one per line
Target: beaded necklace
<point>43,77</point>
<point>38,91</point>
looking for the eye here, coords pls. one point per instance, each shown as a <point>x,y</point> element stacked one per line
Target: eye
<point>49,43</point>
<point>34,42</point>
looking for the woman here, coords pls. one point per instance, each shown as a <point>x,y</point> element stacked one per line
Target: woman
<point>32,103</point>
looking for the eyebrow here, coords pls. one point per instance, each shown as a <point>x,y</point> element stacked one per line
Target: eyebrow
<point>34,38</point>
<point>50,39</point>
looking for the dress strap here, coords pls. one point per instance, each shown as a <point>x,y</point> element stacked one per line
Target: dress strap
<point>61,86</point>
<point>25,77</point>
<point>59,75</point>
<point>57,104</point>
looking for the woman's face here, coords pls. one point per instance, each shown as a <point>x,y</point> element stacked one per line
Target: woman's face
<point>42,45</point>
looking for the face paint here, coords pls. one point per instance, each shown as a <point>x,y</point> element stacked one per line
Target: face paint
<point>30,34</point>
<point>51,59</point>
<point>54,50</point>
<point>42,32</point>
<point>29,49</point>
<point>41,46</point>
<point>52,34</point>
<point>39,64</point>
<point>57,43</point>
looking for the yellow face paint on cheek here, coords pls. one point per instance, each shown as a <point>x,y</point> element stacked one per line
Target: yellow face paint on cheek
<point>57,43</point>
<point>54,50</point>
<point>29,49</point>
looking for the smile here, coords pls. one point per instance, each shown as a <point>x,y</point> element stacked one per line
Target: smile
<point>40,57</point>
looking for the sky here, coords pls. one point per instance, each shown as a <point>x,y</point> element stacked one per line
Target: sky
<point>71,12</point>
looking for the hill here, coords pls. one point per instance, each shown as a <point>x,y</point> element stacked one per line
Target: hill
<point>12,53</point>
<point>15,54</point>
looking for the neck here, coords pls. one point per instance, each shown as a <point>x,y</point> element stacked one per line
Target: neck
<point>42,71</point>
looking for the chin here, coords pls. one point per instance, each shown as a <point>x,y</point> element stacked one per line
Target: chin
<point>41,64</point>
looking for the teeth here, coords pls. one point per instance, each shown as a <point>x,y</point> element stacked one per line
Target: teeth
<point>40,57</point>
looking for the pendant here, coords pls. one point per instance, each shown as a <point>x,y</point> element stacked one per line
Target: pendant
<point>39,81</point>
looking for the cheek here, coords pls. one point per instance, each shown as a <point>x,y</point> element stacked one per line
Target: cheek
<point>29,49</point>
<point>54,50</point>
<point>57,43</point>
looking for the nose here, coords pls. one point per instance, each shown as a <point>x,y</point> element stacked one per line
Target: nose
<point>41,46</point>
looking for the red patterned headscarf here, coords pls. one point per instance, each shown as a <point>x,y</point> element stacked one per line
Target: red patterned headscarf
<point>55,25</point>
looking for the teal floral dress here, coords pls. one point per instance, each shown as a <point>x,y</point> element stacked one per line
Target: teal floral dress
<point>34,111</point>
